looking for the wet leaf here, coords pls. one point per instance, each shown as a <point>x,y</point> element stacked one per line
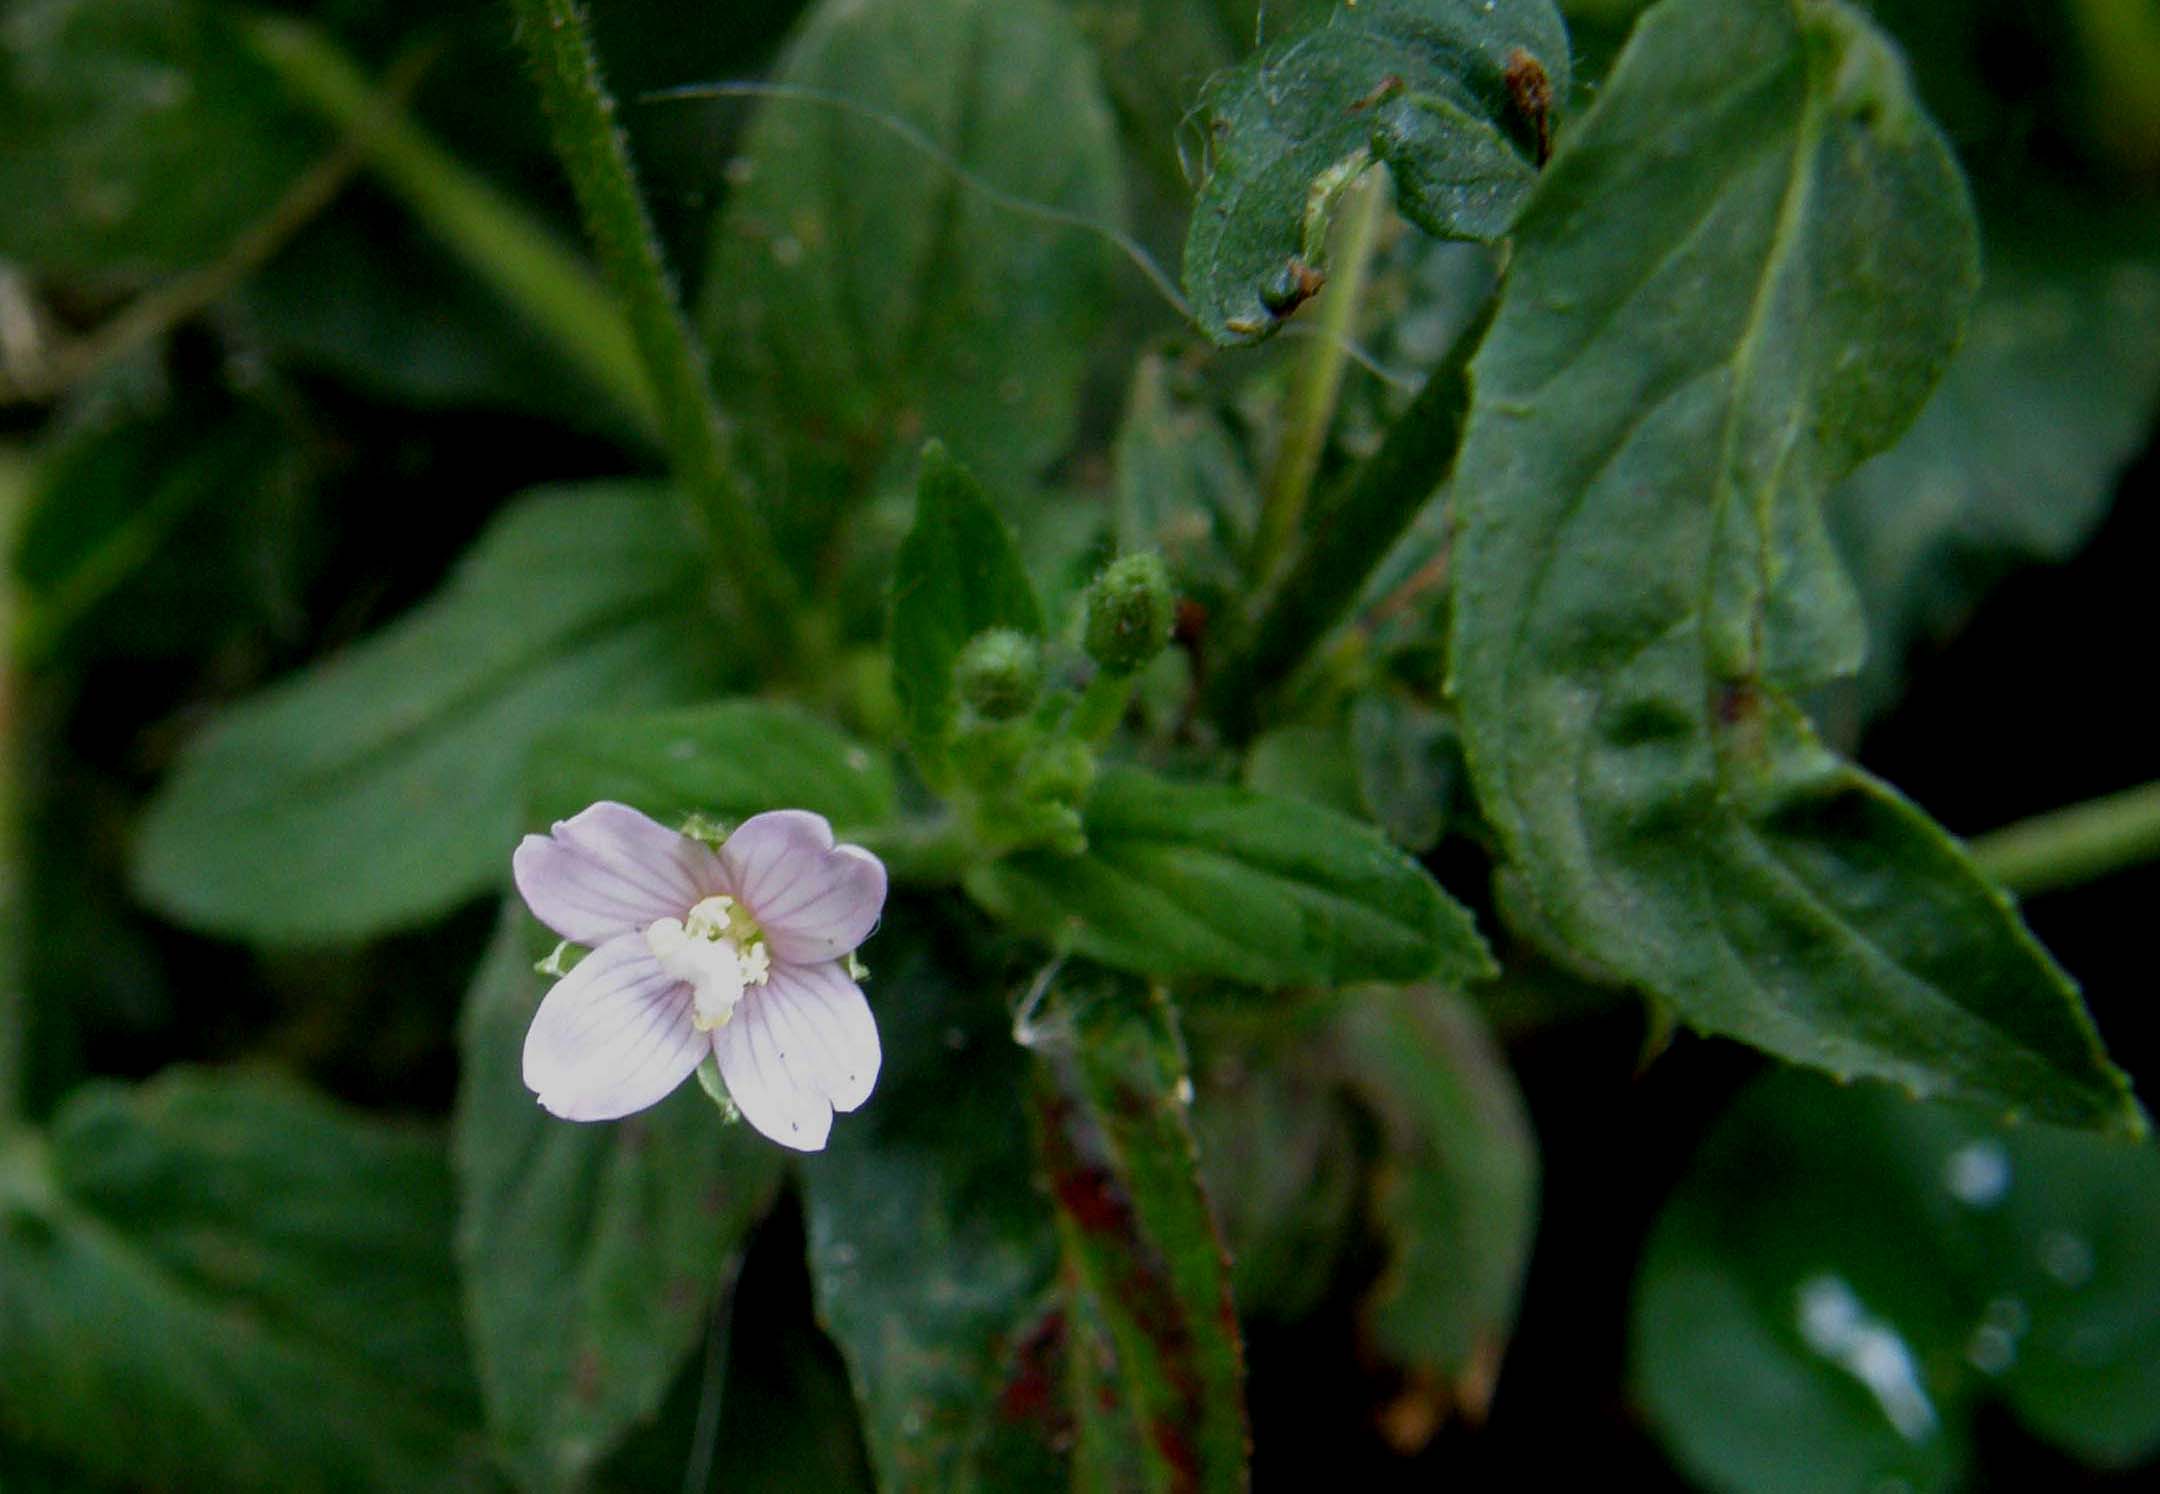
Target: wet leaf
<point>1741,275</point>
<point>1845,1278</point>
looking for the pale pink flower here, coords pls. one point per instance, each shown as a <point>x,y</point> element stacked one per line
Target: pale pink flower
<point>743,954</point>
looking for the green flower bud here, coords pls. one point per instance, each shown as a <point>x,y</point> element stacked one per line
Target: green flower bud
<point>1130,609</point>
<point>999,674</point>
<point>1061,771</point>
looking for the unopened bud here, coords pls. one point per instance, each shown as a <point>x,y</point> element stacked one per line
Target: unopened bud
<point>1130,608</point>
<point>1061,771</point>
<point>999,674</point>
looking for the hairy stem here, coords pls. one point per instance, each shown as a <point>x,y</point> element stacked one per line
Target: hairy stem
<point>2079,844</point>
<point>596,154</point>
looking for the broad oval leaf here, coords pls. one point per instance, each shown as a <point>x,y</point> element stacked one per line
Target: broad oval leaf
<point>1202,879</point>
<point>1845,1278</point>
<point>590,1255</point>
<point>214,1282</point>
<point>1741,275</point>
<point>861,291</point>
<point>1444,92</point>
<point>1139,1238</point>
<point>381,786</point>
<point>734,759</point>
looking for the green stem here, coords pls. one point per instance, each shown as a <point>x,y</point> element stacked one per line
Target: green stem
<point>14,1010</point>
<point>1102,706</point>
<point>2074,845</point>
<point>596,154</point>
<point>1319,382</point>
<point>1377,504</point>
<point>498,240</point>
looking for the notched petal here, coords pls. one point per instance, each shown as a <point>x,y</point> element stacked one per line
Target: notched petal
<point>814,900</point>
<point>608,870</point>
<point>613,1037</point>
<point>777,1086</point>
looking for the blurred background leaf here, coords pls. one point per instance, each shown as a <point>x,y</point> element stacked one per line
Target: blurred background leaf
<point>217,1281</point>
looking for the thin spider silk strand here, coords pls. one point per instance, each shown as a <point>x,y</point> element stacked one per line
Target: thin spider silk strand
<point>912,136</point>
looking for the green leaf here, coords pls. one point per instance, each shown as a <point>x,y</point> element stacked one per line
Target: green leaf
<point>1456,1195</point>
<point>1741,275</point>
<point>1420,85</point>
<point>2016,458</point>
<point>860,292</point>
<point>1409,766</point>
<point>1139,1239</point>
<point>958,574</point>
<point>732,759</point>
<point>136,136</point>
<point>161,525</point>
<point>1304,762</point>
<point>216,1282</point>
<point>591,1255</point>
<point>380,787</point>
<point>1845,1278</point>
<point>929,1246</point>
<point>1197,879</point>
<point>1279,1156</point>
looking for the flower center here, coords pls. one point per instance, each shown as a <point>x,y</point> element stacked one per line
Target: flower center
<point>718,951</point>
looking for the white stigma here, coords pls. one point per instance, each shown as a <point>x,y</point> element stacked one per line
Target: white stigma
<point>717,951</point>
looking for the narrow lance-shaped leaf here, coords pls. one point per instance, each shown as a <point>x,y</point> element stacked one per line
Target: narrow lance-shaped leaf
<point>381,786</point>
<point>1141,1245</point>
<point>1204,879</point>
<point>1741,275</point>
<point>1455,96</point>
<point>1456,1191</point>
<point>959,574</point>
<point>213,1283</point>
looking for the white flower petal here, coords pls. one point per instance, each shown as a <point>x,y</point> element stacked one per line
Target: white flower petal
<point>820,1014</point>
<point>814,900</point>
<point>776,1088</point>
<point>614,1036</point>
<point>608,870</point>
